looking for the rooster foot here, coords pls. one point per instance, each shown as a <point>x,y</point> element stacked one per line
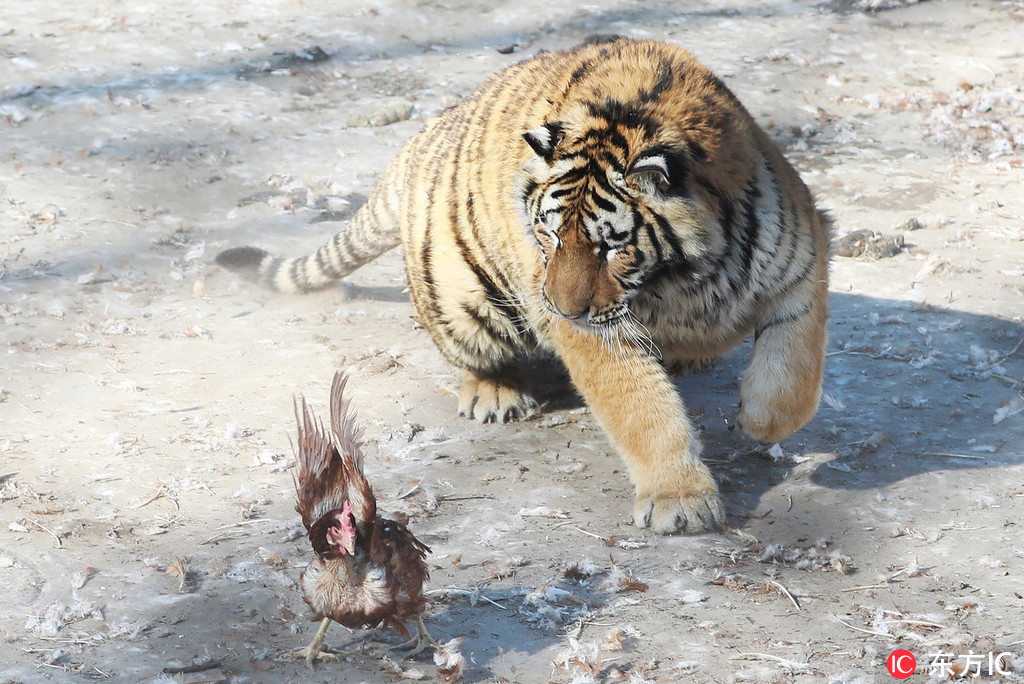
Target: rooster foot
<point>314,652</point>
<point>311,657</point>
<point>418,643</point>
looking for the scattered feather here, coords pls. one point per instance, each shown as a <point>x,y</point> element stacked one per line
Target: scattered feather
<point>80,577</point>
<point>619,581</point>
<point>395,668</point>
<point>542,512</point>
<point>691,596</point>
<point>581,571</point>
<point>449,661</point>
<point>177,568</point>
<point>1010,408</point>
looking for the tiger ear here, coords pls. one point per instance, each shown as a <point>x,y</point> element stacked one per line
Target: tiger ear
<point>545,139</point>
<point>651,170</point>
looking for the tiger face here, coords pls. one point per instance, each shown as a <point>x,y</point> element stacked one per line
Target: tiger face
<point>604,211</point>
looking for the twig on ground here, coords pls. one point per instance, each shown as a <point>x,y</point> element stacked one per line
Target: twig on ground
<point>790,664</point>
<point>47,530</point>
<point>209,664</point>
<point>589,534</point>
<point>946,454</point>
<point>745,537</point>
<point>241,523</point>
<point>225,535</point>
<point>216,537</point>
<point>860,629</point>
<point>161,491</point>
<point>921,623</point>
<point>470,594</point>
<point>865,587</point>
<point>784,590</point>
<point>1011,352</point>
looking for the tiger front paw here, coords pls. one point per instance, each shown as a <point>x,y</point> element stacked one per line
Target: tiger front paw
<point>768,421</point>
<point>495,398</point>
<point>690,511</point>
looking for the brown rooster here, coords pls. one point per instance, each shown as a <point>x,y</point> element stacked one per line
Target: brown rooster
<point>368,571</point>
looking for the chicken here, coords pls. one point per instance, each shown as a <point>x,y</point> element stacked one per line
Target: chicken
<point>369,570</point>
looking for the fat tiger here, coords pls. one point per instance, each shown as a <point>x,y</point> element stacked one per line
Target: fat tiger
<point>616,204</point>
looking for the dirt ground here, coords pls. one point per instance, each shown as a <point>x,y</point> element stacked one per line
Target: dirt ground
<point>147,518</point>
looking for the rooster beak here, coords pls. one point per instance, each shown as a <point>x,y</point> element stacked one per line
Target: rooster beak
<point>345,543</point>
<point>342,536</point>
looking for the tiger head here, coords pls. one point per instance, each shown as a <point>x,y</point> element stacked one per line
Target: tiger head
<point>610,208</point>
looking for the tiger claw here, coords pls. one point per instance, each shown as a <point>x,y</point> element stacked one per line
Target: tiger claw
<point>692,513</point>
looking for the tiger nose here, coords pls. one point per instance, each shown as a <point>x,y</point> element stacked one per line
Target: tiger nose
<point>572,308</point>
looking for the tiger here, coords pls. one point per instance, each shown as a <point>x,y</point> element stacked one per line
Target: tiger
<point>615,204</point>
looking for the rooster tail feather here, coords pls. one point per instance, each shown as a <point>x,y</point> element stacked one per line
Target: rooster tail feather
<point>321,483</point>
<point>343,422</point>
<point>348,438</point>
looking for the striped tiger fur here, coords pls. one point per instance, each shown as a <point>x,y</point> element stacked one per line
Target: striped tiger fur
<point>617,204</point>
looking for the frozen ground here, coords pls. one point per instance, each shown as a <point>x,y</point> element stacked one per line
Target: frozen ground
<point>146,504</point>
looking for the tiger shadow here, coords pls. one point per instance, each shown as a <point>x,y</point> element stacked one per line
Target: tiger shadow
<point>908,389</point>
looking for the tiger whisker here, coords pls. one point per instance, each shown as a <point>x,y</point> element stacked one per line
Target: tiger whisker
<point>643,335</point>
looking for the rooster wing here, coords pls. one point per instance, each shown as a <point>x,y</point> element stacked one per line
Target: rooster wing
<point>330,471</point>
<point>403,556</point>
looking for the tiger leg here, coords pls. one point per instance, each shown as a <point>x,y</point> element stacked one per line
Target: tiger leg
<point>495,396</point>
<point>632,396</point>
<point>484,340</point>
<point>781,386</point>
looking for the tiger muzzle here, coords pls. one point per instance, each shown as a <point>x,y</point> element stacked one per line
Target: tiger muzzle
<point>566,310</point>
<point>569,285</point>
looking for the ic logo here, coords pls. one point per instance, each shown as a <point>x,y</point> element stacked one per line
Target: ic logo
<point>901,663</point>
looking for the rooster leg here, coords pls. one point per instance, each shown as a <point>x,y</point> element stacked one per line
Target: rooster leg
<point>312,652</point>
<point>418,643</point>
